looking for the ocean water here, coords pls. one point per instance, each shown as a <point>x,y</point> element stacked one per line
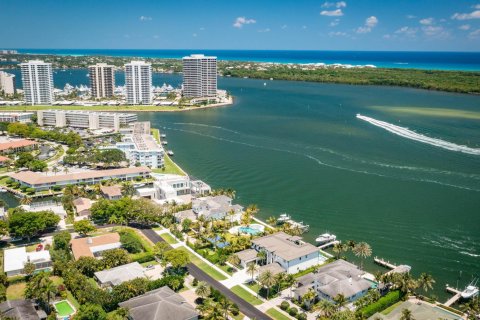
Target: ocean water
<point>299,148</point>
<point>385,59</point>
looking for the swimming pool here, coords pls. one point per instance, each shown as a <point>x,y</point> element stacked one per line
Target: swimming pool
<point>252,229</point>
<point>64,309</point>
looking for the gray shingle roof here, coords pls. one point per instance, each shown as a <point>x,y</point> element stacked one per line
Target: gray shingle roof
<point>285,246</point>
<point>159,304</point>
<point>19,309</point>
<point>247,255</point>
<point>120,274</point>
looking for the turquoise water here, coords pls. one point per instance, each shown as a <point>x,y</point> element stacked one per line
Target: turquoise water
<point>298,148</point>
<point>249,230</point>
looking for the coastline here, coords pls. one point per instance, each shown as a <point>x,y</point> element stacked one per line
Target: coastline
<point>122,108</point>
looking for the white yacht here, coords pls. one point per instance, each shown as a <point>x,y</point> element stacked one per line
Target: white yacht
<point>283,218</point>
<point>325,238</point>
<point>471,290</point>
<point>170,153</point>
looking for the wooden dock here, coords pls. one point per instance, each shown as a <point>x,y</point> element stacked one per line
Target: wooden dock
<point>329,244</point>
<point>457,294</point>
<point>384,263</point>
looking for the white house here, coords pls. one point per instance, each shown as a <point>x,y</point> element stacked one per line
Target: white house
<point>290,252</point>
<point>15,260</point>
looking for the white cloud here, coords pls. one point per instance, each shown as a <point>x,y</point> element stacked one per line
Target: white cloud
<point>467,16</point>
<point>370,23</point>
<point>464,27</point>
<point>474,34</point>
<point>284,27</point>
<point>332,13</point>
<point>145,18</point>
<point>337,34</point>
<point>264,30</point>
<point>240,21</point>
<point>477,6</point>
<point>426,21</point>
<point>334,23</point>
<point>339,4</point>
<point>386,36</point>
<point>408,31</point>
<point>411,16</point>
<point>432,30</point>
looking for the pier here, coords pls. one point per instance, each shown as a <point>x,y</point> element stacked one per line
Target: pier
<point>384,263</point>
<point>457,294</point>
<point>329,244</point>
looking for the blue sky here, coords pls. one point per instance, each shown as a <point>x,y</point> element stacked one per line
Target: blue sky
<point>421,25</point>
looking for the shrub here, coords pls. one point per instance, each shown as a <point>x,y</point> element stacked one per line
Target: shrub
<point>302,316</point>
<point>195,282</point>
<point>384,302</point>
<point>130,242</point>
<point>284,305</point>
<point>30,190</point>
<point>293,311</point>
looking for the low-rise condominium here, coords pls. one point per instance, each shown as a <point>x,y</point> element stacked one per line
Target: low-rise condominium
<point>85,119</point>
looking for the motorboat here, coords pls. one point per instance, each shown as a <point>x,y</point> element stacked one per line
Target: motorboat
<point>283,218</point>
<point>325,238</point>
<point>170,153</point>
<point>471,290</point>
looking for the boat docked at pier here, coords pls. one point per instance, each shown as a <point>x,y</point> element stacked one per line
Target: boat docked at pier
<point>470,291</point>
<point>325,238</point>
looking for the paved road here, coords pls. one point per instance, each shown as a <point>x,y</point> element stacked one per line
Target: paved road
<point>245,307</point>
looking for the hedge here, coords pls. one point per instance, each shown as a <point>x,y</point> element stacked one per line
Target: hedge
<point>384,302</point>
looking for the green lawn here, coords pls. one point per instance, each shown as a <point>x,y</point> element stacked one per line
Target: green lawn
<point>152,262</point>
<point>245,295</point>
<point>254,286</point>
<point>205,267</point>
<point>277,315</point>
<point>15,291</point>
<point>170,167</point>
<point>390,309</point>
<point>168,237</point>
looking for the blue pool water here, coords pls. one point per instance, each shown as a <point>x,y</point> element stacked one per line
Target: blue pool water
<point>249,230</point>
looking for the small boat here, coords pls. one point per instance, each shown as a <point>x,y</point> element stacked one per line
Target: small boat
<point>283,218</point>
<point>264,83</point>
<point>3,190</point>
<point>325,238</point>
<point>170,153</point>
<point>471,290</point>
<point>163,135</point>
<point>164,142</point>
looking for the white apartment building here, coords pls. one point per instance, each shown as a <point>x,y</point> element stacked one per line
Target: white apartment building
<point>142,149</point>
<point>7,83</point>
<point>138,82</point>
<point>37,79</point>
<point>22,117</point>
<point>199,76</point>
<point>85,119</point>
<point>102,80</point>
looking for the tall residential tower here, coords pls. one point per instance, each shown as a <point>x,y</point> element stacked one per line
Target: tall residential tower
<point>37,79</point>
<point>102,80</point>
<point>138,82</point>
<point>199,76</point>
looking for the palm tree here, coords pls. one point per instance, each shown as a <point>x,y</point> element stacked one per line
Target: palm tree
<point>231,213</point>
<point>252,268</point>
<point>340,300</point>
<point>309,297</point>
<point>407,315</point>
<point>113,219</point>
<point>362,250</point>
<point>26,200</point>
<point>226,306</point>
<point>338,248</point>
<point>203,290</point>
<point>128,189</point>
<point>280,279</point>
<point>425,281</point>
<point>351,244</point>
<point>272,221</point>
<point>55,170</point>
<point>262,256</point>
<point>267,280</point>
<point>289,280</point>
<point>66,170</point>
<point>234,259</point>
<point>327,308</point>
<point>253,209</point>
<point>404,282</point>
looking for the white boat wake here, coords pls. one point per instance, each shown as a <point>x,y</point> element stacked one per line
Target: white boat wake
<point>409,134</point>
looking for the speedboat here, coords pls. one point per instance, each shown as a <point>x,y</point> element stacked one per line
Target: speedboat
<point>170,153</point>
<point>283,218</point>
<point>325,238</point>
<point>471,290</point>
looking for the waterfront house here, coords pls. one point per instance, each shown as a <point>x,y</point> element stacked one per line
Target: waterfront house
<point>111,192</point>
<point>217,208</point>
<point>247,256</point>
<point>94,246</point>
<point>41,182</point>
<point>159,304</point>
<point>338,277</point>
<point>115,276</point>
<point>16,258</point>
<point>290,252</point>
